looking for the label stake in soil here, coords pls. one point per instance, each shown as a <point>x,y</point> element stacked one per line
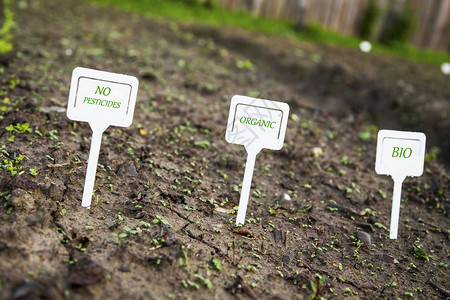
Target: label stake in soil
<point>399,154</point>
<point>101,99</point>
<point>256,124</point>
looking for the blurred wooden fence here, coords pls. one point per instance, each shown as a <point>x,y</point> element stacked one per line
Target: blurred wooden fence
<point>432,17</point>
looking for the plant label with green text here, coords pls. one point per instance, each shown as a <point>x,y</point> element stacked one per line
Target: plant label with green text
<point>101,99</point>
<point>255,124</point>
<point>399,154</point>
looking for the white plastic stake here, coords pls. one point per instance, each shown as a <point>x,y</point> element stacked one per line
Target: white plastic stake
<point>256,124</point>
<point>92,165</point>
<point>102,99</point>
<point>399,154</point>
<point>246,184</point>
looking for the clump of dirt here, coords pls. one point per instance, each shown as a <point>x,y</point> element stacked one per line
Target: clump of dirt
<point>162,220</point>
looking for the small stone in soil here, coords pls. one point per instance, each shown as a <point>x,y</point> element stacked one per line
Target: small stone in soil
<point>48,109</point>
<point>85,271</point>
<point>165,231</point>
<point>366,227</point>
<point>283,199</point>
<point>389,259</point>
<point>372,219</point>
<point>132,170</point>
<point>364,237</point>
<point>279,236</point>
<point>124,268</point>
<point>139,215</point>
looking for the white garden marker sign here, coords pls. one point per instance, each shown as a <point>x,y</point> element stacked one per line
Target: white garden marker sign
<point>399,154</point>
<point>101,99</point>
<point>256,124</point>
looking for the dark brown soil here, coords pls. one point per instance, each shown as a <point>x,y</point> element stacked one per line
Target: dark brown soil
<point>162,222</point>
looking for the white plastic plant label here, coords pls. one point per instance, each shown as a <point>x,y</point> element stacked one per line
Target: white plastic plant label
<point>255,124</point>
<point>101,99</point>
<point>399,154</point>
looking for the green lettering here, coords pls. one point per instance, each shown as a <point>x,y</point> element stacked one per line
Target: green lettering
<point>410,152</point>
<point>395,152</point>
<point>106,89</point>
<point>257,122</point>
<point>103,102</point>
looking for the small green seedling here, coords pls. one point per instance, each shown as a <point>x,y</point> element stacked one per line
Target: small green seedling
<point>420,252</point>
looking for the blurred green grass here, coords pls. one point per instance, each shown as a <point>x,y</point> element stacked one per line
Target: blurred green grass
<point>5,29</point>
<point>190,11</point>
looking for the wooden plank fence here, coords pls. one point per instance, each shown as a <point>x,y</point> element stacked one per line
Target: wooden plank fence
<point>432,17</point>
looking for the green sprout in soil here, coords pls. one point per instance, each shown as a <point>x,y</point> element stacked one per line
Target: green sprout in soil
<point>120,218</point>
<point>200,225</point>
<point>19,128</point>
<point>205,281</point>
<point>305,209</point>
<point>409,294</point>
<point>273,211</point>
<point>119,237</point>
<point>383,194</point>
<point>80,247</point>
<point>349,292</point>
<point>365,136</point>
<point>132,231</point>
<point>318,287</point>
<point>233,246</point>
<point>187,283</point>
<point>11,165</point>
<point>244,64</point>
<point>188,269</point>
<point>202,144</point>
<point>162,220</point>
<point>145,224</point>
<point>420,252</point>
<point>217,264</point>
<point>33,171</point>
